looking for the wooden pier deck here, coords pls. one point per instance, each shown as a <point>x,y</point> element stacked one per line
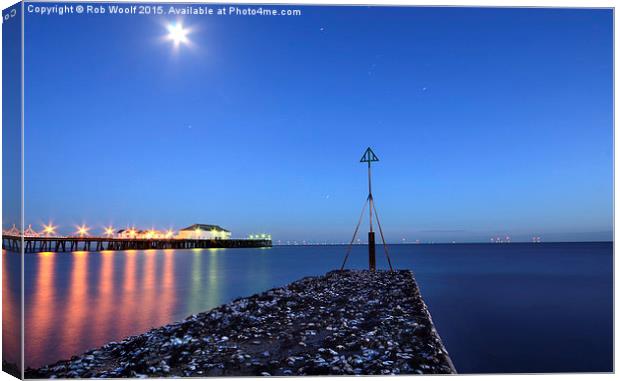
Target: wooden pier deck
<point>68,244</point>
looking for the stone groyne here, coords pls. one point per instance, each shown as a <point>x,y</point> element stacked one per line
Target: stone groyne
<point>346,322</point>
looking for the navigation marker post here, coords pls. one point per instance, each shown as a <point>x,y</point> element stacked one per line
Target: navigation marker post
<point>368,157</point>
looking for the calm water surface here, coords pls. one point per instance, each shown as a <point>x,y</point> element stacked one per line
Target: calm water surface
<point>498,308</point>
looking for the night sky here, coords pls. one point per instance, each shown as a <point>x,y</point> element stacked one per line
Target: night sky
<point>485,121</point>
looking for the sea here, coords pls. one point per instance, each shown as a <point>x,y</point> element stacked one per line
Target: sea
<point>499,308</point>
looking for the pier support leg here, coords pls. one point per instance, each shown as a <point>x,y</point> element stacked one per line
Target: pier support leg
<point>372,265</point>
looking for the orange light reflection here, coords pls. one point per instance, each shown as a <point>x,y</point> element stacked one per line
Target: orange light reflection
<point>76,309</point>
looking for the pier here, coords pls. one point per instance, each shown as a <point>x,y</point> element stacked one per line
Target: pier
<point>68,244</point>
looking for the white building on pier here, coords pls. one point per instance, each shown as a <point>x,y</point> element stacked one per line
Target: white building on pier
<point>203,231</point>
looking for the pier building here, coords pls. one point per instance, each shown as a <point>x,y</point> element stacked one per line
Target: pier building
<point>204,231</point>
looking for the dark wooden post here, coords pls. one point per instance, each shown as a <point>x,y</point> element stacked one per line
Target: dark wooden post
<point>372,265</point>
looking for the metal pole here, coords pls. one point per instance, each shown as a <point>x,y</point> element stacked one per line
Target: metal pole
<point>368,157</point>
<point>372,266</point>
<point>370,195</point>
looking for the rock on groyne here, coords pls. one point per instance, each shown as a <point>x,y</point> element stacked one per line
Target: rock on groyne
<point>346,322</point>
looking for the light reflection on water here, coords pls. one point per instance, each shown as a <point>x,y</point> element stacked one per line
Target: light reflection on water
<point>498,308</point>
<point>80,300</point>
<point>11,312</point>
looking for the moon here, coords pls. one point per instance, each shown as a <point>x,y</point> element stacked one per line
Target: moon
<point>177,34</point>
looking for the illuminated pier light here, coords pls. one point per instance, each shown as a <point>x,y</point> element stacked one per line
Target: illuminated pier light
<point>13,231</point>
<point>154,233</point>
<point>82,230</point>
<point>261,236</point>
<point>49,229</point>
<point>108,231</point>
<point>30,232</point>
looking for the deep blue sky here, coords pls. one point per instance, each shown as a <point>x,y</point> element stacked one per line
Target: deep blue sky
<point>486,121</point>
